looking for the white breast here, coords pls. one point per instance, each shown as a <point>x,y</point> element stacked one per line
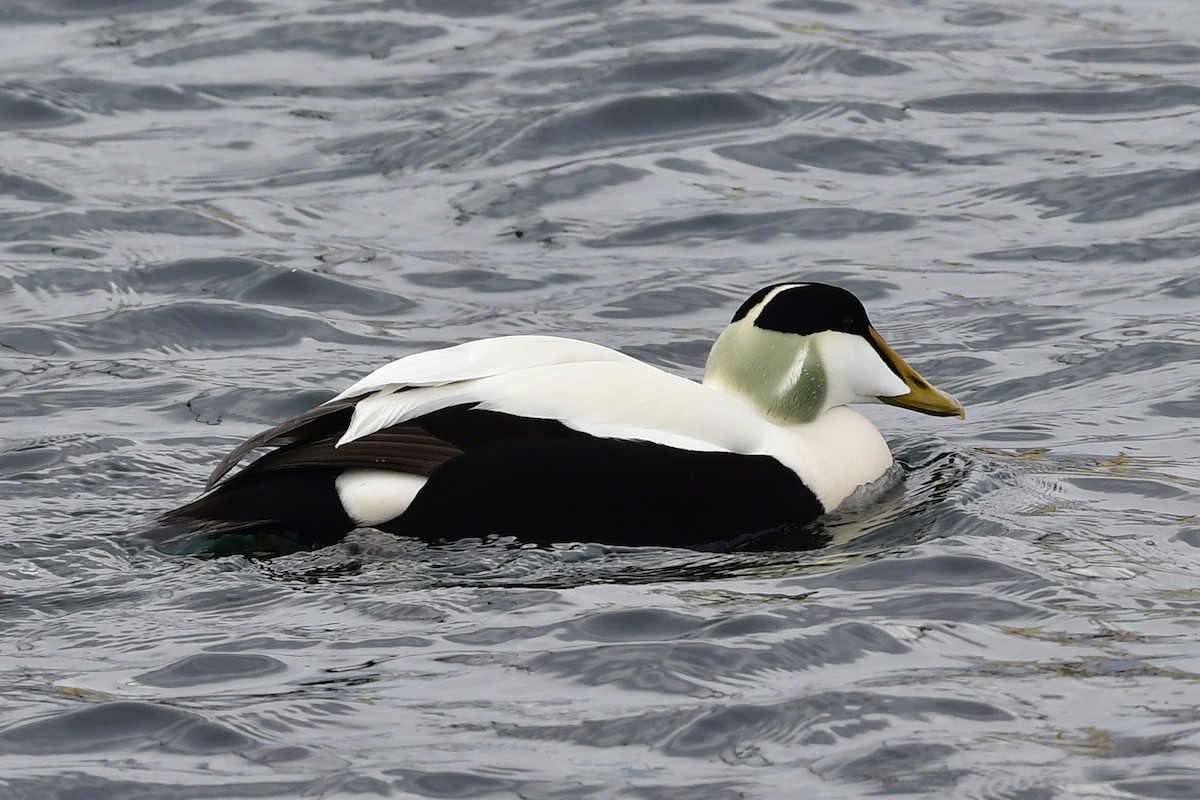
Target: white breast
<point>834,454</point>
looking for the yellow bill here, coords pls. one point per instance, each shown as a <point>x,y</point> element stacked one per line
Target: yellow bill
<point>922,396</point>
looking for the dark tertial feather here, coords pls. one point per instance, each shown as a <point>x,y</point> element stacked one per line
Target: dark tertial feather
<point>312,424</point>
<point>417,447</point>
<point>400,448</point>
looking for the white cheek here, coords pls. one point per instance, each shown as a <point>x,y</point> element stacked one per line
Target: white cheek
<point>855,372</point>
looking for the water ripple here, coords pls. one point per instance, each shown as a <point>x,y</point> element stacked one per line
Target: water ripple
<point>1088,101</point>
<point>217,215</point>
<point>1109,197</point>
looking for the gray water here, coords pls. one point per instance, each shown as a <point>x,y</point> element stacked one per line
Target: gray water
<point>214,214</point>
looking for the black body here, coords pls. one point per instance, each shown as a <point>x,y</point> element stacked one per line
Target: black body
<point>493,473</point>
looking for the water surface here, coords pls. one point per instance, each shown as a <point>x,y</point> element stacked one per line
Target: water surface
<point>213,214</point>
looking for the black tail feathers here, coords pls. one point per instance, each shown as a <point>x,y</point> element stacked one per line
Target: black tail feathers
<point>258,513</point>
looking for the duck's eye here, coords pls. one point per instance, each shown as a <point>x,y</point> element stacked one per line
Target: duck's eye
<point>846,325</point>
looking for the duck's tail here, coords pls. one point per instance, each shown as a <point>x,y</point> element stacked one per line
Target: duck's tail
<point>260,512</point>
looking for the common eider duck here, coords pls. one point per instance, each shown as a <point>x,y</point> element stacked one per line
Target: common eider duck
<point>551,439</point>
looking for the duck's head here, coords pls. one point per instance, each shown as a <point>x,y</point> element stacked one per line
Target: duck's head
<point>794,350</point>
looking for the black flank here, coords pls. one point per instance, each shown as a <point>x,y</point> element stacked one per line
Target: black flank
<point>494,473</point>
<point>583,488</point>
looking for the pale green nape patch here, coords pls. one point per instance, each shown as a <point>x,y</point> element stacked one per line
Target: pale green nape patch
<point>781,373</point>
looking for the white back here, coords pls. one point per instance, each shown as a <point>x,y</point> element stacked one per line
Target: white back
<point>480,359</point>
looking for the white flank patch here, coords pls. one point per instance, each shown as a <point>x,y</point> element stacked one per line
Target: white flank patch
<point>374,496</point>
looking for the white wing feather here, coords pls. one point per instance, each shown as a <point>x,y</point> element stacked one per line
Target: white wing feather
<point>480,359</point>
<point>619,398</point>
